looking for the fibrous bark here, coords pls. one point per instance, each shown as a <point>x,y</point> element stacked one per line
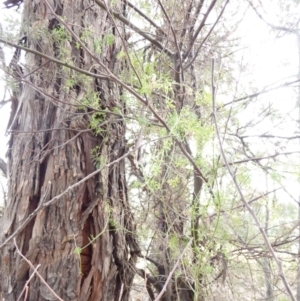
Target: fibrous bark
<point>47,146</point>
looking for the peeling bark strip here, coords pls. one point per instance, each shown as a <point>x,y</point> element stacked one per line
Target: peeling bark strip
<point>100,271</point>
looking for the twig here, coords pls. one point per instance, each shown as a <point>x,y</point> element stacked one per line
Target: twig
<point>199,28</point>
<point>30,216</point>
<point>124,20</point>
<point>253,159</point>
<point>43,205</point>
<point>27,283</point>
<point>38,274</point>
<point>142,14</point>
<point>173,270</point>
<point>54,60</point>
<point>205,39</point>
<point>246,204</point>
<point>263,91</point>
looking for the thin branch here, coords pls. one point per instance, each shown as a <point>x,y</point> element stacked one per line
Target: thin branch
<point>177,68</point>
<point>125,48</point>
<point>142,14</point>
<point>93,110</point>
<point>254,159</point>
<point>205,39</point>
<point>266,90</point>
<point>281,28</point>
<point>54,60</point>
<point>43,205</point>
<point>26,286</point>
<point>195,17</point>
<point>173,271</point>
<point>39,275</point>
<point>271,136</point>
<point>136,29</point>
<point>250,210</point>
<point>197,31</point>
<point>242,206</point>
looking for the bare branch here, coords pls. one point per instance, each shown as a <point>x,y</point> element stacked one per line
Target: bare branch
<point>35,269</point>
<point>173,271</point>
<point>271,136</point>
<point>246,204</point>
<point>136,29</point>
<point>281,28</point>
<point>54,60</point>
<point>242,206</point>
<point>266,90</point>
<point>261,158</point>
<point>201,25</point>
<point>204,40</point>
<point>142,14</point>
<point>26,286</point>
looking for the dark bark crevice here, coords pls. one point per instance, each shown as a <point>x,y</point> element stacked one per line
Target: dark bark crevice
<point>102,269</point>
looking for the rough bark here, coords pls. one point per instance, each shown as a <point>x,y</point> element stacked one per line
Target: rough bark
<point>62,156</point>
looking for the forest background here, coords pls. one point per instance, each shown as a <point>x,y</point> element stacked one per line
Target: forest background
<point>206,107</point>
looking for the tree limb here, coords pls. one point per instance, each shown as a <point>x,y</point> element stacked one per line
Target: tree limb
<point>136,29</point>
<point>250,210</point>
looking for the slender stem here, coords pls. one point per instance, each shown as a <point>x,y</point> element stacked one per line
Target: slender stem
<point>38,274</point>
<point>173,271</point>
<point>245,203</point>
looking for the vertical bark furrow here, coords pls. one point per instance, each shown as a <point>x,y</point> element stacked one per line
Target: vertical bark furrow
<point>100,270</point>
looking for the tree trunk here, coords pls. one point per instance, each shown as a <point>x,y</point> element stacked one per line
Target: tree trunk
<point>51,143</point>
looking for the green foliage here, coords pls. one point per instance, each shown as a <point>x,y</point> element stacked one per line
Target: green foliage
<point>187,124</point>
<point>146,75</point>
<point>59,34</point>
<point>77,250</point>
<point>109,39</point>
<point>91,100</point>
<point>96,156</point>
<point>86,34</point>
<point>98,46</point>
<point>96,123</point>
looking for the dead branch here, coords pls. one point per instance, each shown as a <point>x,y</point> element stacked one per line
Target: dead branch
<point>35,269</point>
<point>136,29</point>
<point>173,270</point>
<point>250,210</point>
<point>26,286</point>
